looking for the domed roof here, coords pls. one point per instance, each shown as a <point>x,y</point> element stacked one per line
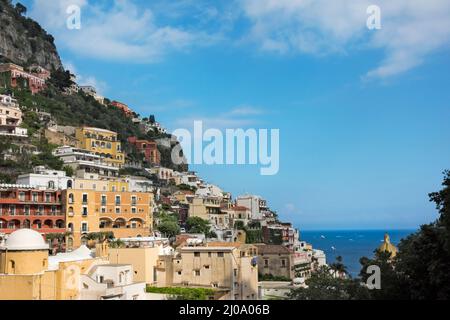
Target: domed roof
<point>25,239</point>
<point>388,246</point>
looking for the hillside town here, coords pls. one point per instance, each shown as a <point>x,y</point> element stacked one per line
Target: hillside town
<point>95,231</point>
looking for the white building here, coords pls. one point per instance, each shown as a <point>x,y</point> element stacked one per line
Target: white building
<point>190,179</point>
<point>139,184</point>
<point>255,204</point>
<point>85,161</point>
<point>11,118</point>
<point>320,257</point>
<point>209,190</point>
<point>162,173</point>
<point>44,178</point>
<point>111,282</point>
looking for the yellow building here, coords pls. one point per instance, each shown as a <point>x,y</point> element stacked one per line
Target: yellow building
<point>126,214</point>
<point>103,143</point>
<point>28,273</point>
<point>204,207</point>
<point>144,261</point>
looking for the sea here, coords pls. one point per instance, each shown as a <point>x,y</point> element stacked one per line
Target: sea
<point>351,244</point>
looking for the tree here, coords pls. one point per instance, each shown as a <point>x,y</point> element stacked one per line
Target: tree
<point>324,286</point>
<point>424,257</point>
<point>392,282</point>
<point>169,228</point>
<point>198,225</point>
<point>61,79</point>
<point>338,267</point>
<point>20,9</point>
<point>69,171</point>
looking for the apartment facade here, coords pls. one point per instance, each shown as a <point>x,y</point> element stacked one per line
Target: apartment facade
<point>148,148</point>
<point>26,207</point>
<point>205,207</point>
<point>10,118</point>
<point>85,162</point>
<point>230,269</point>
<point>275,260</point>
<point>103,143</point>
<point>18,76</point>
<point>126,214</point>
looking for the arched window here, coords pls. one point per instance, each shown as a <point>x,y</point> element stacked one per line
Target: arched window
<point>71,198</point>
<point>70,227</point>
<point>51,184</point>
<point>69,184</point>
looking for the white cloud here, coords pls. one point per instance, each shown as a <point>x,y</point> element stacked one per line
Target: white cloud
<point>411,29</point>
<point>119,31</point>
<point>239,117</point>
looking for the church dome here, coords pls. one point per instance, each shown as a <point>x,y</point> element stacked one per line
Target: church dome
<point>387,246</point>
<point>25,239</point>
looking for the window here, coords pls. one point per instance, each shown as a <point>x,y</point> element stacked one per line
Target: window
<point>48,197</point>
<point>84,227</point>
<point>220,254</point>
<point>40,210</point>
<point>283,263</point>
<point>27,210</point>
<point>103,210</point>
<point>51,184</point>
<point>35,197</point>
<point>133,200</point>
<point>118,210</point>
<point>117,200</point>
<point>85,211</point>
<point>103,200</point>
<point>71,198</point>
<point>12,210</point>
<point>133,210</point>
<point>85,198</point>
<point>197,254</point>
<point>197,273</point>
<point>22,196</point>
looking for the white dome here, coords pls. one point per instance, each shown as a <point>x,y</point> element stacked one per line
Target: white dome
<point>25,239</point>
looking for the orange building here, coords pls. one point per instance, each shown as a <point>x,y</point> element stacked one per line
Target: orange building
<point>122,106</point>
<point>126,214</point>
<point>29,208</point>
<point>149,148</point>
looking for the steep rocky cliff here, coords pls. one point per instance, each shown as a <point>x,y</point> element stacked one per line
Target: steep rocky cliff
<point>23,41</point>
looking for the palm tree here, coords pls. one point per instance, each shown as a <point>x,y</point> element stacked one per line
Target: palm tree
<point>338,267</point>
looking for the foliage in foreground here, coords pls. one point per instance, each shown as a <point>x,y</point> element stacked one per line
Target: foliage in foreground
<point>184,293</point>
<point>418,272</point>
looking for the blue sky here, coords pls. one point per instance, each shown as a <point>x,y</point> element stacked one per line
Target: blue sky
<point>363,114</point>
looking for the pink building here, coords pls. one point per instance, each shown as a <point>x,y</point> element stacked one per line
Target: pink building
<point>18,76</point>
